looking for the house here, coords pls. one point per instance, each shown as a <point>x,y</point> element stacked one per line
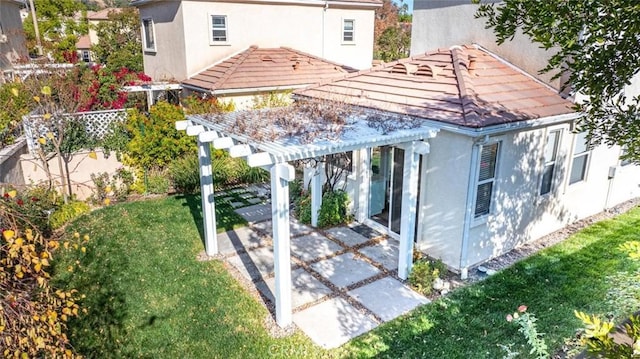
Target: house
<point>13,49</point>
<point>183,38</point>
<point>85,42</point>
<point>256,71</point>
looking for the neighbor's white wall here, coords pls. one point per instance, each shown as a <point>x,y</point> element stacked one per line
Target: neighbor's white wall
<point>445,23</point>
<point>184,49</point>
<point>15,48</point>
<point>169,60</point>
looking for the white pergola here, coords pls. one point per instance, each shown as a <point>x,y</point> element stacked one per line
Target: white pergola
<point>276,153</point>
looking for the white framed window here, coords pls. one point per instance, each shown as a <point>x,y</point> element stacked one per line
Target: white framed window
<point>219,30</point>
<point>579,159</point>
<point>486,178</point>
<point>86,56</point>
<point>148,35</point>
<point>623,161</point>
<point>550,156</point>
<point>348,31</point>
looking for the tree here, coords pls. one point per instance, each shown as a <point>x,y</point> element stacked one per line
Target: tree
<point>58,25</point>
<point>596,45</point>
<point>119,43</point>
<point>392,31</point>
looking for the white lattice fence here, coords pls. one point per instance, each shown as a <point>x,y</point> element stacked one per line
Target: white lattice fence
<point>97,124</point>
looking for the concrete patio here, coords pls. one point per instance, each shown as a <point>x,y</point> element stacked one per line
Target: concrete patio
<point>344,282</point>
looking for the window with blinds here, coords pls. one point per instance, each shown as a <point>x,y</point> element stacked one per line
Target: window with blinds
<point>580,159</point>
<point>486,179</point>
<point>550,154</point>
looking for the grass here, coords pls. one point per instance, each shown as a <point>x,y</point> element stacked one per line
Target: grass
<point>147,296</point>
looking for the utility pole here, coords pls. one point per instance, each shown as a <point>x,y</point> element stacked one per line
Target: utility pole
<point>35,27</point>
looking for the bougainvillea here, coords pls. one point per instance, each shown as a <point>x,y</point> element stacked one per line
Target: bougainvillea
<point>98,88</point>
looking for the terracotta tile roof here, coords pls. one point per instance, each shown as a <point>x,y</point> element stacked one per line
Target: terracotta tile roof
<point>464,86</point>
<point>102,14</point>
<point>266,68</point>
<point>83,43</point>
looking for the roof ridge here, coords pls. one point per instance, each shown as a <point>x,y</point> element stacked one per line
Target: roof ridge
<point>234,65</point>
<point>318,58</point>
<point>467,93</point>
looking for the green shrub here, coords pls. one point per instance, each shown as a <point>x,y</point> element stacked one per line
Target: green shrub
<point>158,182</point>
<point>155,142</point>
<point>194,105</point>
<point>185,174</point>
<point>67,212</point>
<point>303,207</point>
<point>100,186</point>
<point>16,102</point>
<point>424,273</point>
<point>227,171</point>
<point>333,210</point>
<point>29,208</point>
<point>252,174</point>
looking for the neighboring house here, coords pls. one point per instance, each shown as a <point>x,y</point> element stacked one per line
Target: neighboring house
<point>182,38</point>
<point>85,42</point>
<point>257,71</point>
<point>13,49</point>
<point>505,168</point>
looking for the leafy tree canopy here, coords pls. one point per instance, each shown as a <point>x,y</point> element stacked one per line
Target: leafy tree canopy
<point>392,31</point>
<point>596,44</point>
<point>119,44</point>
<point>60,23</point>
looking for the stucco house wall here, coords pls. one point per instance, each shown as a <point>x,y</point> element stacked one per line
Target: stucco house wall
<point>445,23</point>
<point>519,213</point>
<point>182,31</point>
<point>13,46</point>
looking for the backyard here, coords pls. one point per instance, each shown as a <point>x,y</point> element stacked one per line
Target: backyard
<point>148,296</point>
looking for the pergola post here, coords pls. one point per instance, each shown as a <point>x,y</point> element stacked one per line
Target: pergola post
<point>364,179</point>
<point>208,203</point>
<point>316,193</point>
<point>281,175</point>
<point>412,154</point>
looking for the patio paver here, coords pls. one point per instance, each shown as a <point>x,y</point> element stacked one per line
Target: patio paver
<point>242,238</point>
<point>256,213</point>
<point>388,298</point>
<point>255,264</point>
<point>313,246</point>
<point>384,252</point>
<point>306,288</point>
<point>333,322</point>
<point>345,269</point>
<point>347,236</point>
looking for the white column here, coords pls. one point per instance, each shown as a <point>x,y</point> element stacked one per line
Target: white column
<point>316,193</point>
<point>208,203</point>
<point>409,202</point>
<point>281,174</point>
<point>364,183</point>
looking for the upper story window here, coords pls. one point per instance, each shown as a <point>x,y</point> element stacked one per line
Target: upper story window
<point>348,31</point>
<point>219,29</point>
<point>486,179</point>
<point>580,159</point>
<point>149,37</point>
<point>550,155</point>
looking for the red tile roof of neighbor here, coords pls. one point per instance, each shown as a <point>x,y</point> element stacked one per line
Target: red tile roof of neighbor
<point>464,86</point>
<point>266,68</point>
<point>84,42</point>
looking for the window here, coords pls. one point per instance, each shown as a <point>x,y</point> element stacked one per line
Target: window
<point>86,56</point>
<point>148,35</point>
<point>624,161</point>
<point>486,179</point>
<point>218,29</point>
<point>550,154</point>
<point>348,30</point>
<point>580,158</point>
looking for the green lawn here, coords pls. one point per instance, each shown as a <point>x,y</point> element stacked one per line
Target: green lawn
<point>147,295</point>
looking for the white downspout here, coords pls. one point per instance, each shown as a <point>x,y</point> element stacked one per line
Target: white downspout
<point>324,11</point>
<point>468,214</point>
